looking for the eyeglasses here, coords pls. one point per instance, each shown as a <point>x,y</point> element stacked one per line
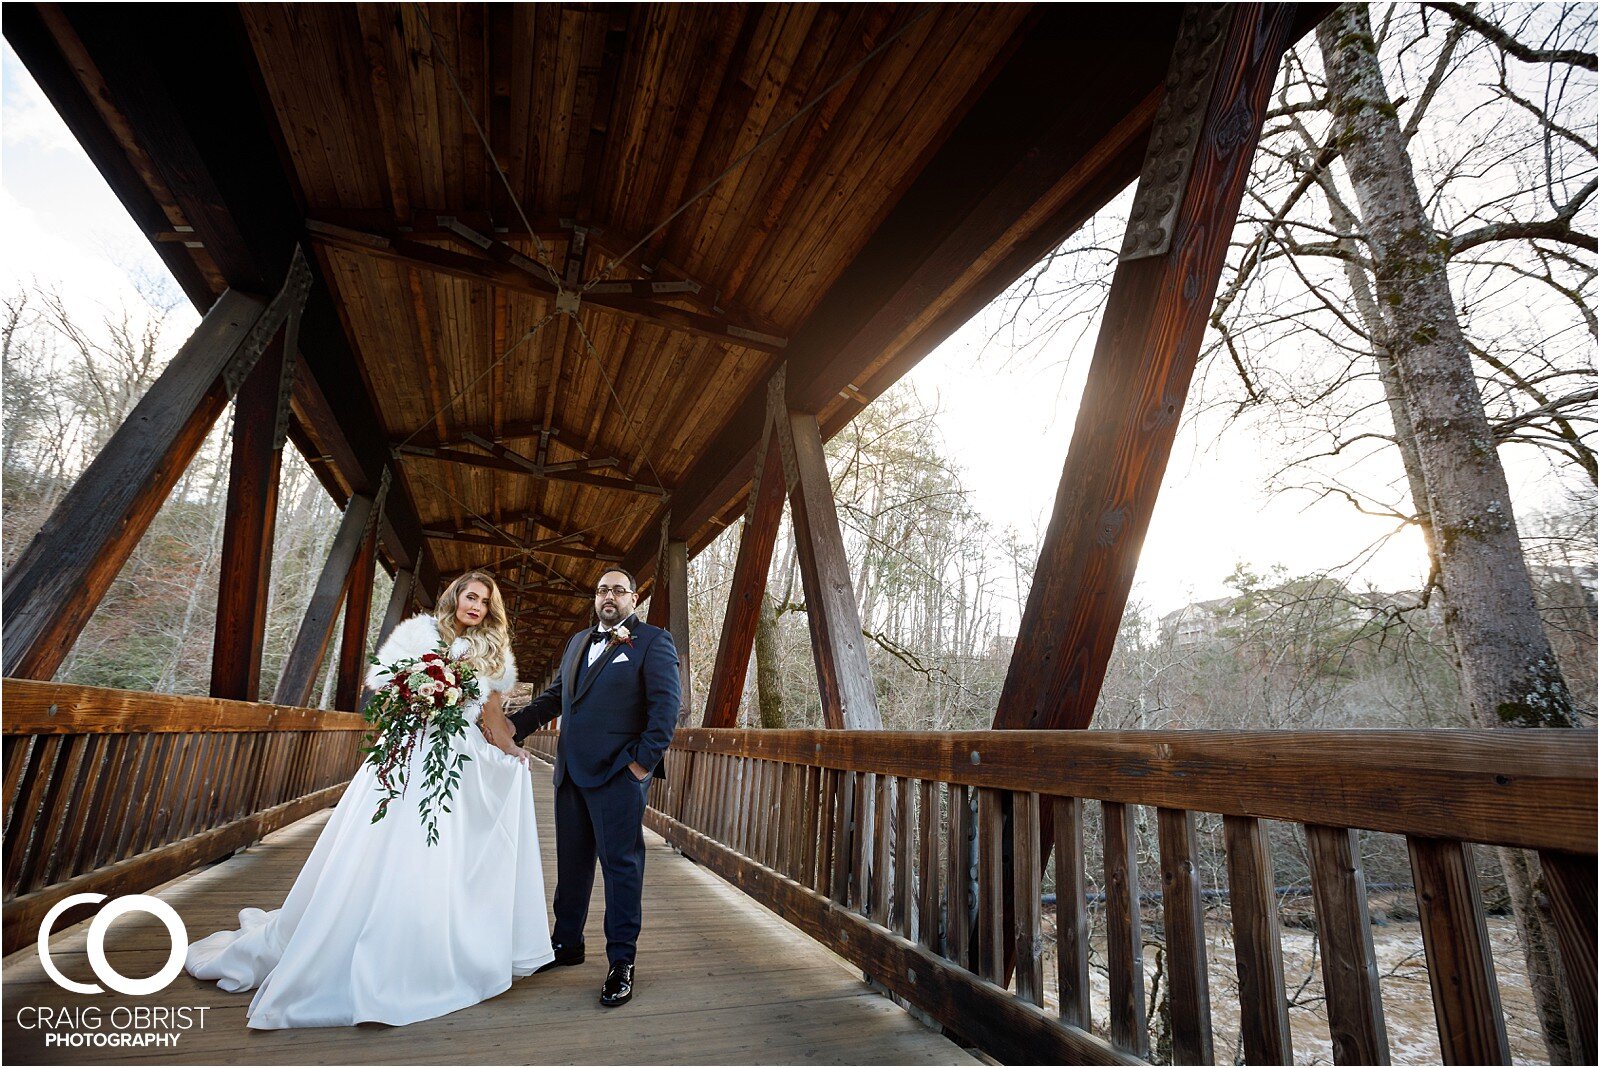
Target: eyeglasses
<point>601,591</point>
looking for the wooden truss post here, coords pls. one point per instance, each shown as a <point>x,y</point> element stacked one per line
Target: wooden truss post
<point>756,539</point>
<point>58,581</point>
<point>1205,134</point>
<point>1222,70</point>
<point>316,628</point>
<point>399,604</point>
<point>669,607</point>
<point>357,611</point>
<point>260,427</point>
<point>849,698</point>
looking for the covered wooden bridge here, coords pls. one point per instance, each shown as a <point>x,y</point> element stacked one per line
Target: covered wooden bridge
<point>548,287</point>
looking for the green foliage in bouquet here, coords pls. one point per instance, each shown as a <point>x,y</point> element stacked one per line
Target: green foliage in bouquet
<point>430,690</point>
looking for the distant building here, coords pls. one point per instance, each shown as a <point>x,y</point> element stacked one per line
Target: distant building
<point>1195,623</point>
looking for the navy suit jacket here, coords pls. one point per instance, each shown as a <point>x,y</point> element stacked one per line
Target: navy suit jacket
<point>622,708</point>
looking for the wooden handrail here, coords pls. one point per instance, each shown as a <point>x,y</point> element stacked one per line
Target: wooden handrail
<point>1529,788</point>
<point>57,708</point>
<point>114,791</point>
<point>889,848</point>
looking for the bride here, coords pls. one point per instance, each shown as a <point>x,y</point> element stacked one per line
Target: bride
<point>379,926</point>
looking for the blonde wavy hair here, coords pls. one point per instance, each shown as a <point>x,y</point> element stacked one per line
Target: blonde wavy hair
<point>488,643</point>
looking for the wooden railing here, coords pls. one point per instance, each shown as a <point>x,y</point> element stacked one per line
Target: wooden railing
<point>868,841</point>
<point>114,792</point>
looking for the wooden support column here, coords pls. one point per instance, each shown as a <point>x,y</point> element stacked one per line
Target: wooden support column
<point>399,604</point>
<point>357,611</point>
<point>316,629</point>
<point>849,699</point>
<point>58,581</point>
<point>677,576</point>
<point>260,427</point>
<point>1155,317</point>
<point>756,539</point>
<point>669,606</point>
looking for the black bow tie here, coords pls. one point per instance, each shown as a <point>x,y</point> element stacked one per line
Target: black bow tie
<point>599,636</point>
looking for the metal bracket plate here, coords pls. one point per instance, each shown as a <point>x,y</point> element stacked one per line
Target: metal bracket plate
<point>292,297</point>
<point>1175,135</point>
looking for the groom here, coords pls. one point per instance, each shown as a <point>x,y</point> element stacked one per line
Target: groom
<point>617,694</point>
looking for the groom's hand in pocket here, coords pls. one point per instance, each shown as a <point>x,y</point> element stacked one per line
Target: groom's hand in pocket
<point>639,773</point>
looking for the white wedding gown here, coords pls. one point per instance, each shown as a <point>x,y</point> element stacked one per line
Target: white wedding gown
<point>379,925</point>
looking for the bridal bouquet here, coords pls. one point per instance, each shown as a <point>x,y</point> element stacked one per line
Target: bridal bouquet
<point>430,690</point>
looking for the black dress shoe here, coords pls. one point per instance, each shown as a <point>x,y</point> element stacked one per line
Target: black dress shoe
<point>566,957</point>
<point>618,987</point>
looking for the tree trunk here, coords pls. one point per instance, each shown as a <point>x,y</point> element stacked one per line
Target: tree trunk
<point>769,679</point>
<point>1509,674</point>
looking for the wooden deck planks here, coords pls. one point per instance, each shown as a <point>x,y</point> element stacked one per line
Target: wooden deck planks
<point>721,981</point>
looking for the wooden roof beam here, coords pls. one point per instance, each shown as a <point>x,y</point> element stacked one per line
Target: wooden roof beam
<point>560,583</point>
<point>553,546</point>
<point>543,588</point>
<point>503,266</point>
<point>504,459</point>
<point>1011,173</point>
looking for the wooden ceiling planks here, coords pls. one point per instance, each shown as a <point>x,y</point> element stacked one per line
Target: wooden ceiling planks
<point>611,115</point>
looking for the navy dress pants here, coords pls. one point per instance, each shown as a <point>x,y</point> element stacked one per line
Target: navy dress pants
<point>605,822</point>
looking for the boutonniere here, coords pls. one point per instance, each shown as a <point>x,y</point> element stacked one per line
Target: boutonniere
<point>620,635</point>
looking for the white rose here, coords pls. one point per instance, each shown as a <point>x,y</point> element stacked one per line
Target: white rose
<point>453,695</point>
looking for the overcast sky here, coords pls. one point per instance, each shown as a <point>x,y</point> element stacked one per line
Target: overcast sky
<point>1006,421</point>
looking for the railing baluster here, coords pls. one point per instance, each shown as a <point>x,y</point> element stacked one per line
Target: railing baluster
<point>810,827</point>
<point>882,846</point>
<point>124,811</point>
<point>752,790</point>
<point>739,809</point>
<point>245,787</point>
<point>861,843</point>
<point>1570,882</point>
<point>843,840</point>
<point>72,810</point>
<point>87,784</point>
<point>827,827</point>
<point>901,857</point>
<point>1466,998</point>
<point>1027,880</point>
<point>1258,945</point>
<point>958,889</point>
<point>991,886</point>
<point>702,779</point>
<point>37,780</point>
<point>19,750</point>
<point>51,812</point>
<point>783,817</point>
<point>1124,938</point>
<point>1072,915</point>
<point>185,808</point>
<point>714,795</point>
<point>776,786</point>
<point>928,864</point>
<point>229,770</point>
<point>770,792</point>
<point>758,823</point>
<point>1184,917</point>
<point>85,834</point>
<point>1349,966</point>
